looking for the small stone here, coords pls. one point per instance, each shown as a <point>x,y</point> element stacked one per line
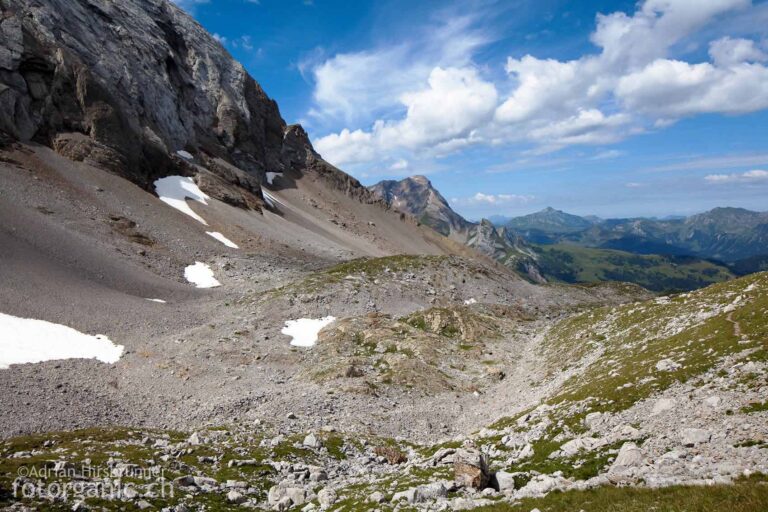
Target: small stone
<point>130,493</point>
<point>667,365</point>
<point>235,497</point>
<point>144,505</point>
<point>377,497</point>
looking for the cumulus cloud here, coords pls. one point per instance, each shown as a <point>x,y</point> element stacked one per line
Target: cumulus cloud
<point>753,176</point>
<point>355,86</point>
<point>629,86</point>
<point>728,52</point>
<point>455,101</point>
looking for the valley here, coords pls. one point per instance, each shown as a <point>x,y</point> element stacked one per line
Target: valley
<point>198,312</point>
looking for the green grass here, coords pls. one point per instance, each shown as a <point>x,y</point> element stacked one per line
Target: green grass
<point>745,495</point>
<point>361,268</point>
<point>756,407</point>
<point>575,264</point>
<point>635,337</point>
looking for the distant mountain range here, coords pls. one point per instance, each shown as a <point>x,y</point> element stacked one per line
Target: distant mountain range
<point>552,245</point>
<point>723,234</point>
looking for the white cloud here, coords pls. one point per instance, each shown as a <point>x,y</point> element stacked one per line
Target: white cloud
<point>493,199</point>
<point>753,176</point>
<point>221,39</point>
<point>671,88</point>
<point>633,184</point>
<point>629,86</point>
<point>729,52</point>
<point>357,86</point>
<point>455,101</point>
<point>399,165</point>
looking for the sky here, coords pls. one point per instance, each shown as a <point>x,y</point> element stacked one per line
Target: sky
<point>610,108</point>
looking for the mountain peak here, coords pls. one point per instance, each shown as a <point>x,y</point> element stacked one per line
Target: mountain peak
<point>420,178</point>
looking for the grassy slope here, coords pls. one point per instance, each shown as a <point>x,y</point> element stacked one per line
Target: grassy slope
<point>574,264</point>
<point>621,346</point>
<point>748,495</point>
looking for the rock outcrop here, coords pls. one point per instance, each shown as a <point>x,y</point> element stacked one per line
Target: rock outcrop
<point>127,85</point>
<point>417,197</point>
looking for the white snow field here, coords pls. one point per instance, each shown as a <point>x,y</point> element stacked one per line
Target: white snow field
<point>201,275</point>
<point>186,155</point>
<point>25,340</point>
<point>159,301</point>
<point>175,190</point>
<point>304,331</point>
<point>221,238</point>
<point>272,175</point>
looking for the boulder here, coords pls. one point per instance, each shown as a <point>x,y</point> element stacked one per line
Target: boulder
<point>235,497</point>
<point>694,436</point>
<point>541,485</point>
<point>377,497</point>
<point>579,444</point>
<point>503,482</point>
<point>326,497</point>
<point>430,492</point>
<point>278,493</point>
<point>592,419</point>
<point>422,493</point>
<point>312,441</point>
<point>662,405</point>
<point>629,456</point>
<point>470,469</point>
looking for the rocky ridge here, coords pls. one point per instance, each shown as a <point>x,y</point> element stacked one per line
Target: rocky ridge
<point>416,196</point>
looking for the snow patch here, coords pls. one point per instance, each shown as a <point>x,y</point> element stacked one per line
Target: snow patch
<point>304,331</point>
<point>175,190</point>
<point>272,175</point>
<point>270,199</point>
<point>186,155</point>
<point>25,340</point>
<point>200,275</point>
<point>221,238</point>
<point>469,302</point>
<point>159,301</point>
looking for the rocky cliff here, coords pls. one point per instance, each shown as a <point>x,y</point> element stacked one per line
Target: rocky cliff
<point>418,197</point>
<point>127,85</point>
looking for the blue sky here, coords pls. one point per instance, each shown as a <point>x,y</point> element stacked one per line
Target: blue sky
<point>613,108</point>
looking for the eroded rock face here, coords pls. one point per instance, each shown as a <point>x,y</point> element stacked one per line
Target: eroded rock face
<point>125,85</point>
